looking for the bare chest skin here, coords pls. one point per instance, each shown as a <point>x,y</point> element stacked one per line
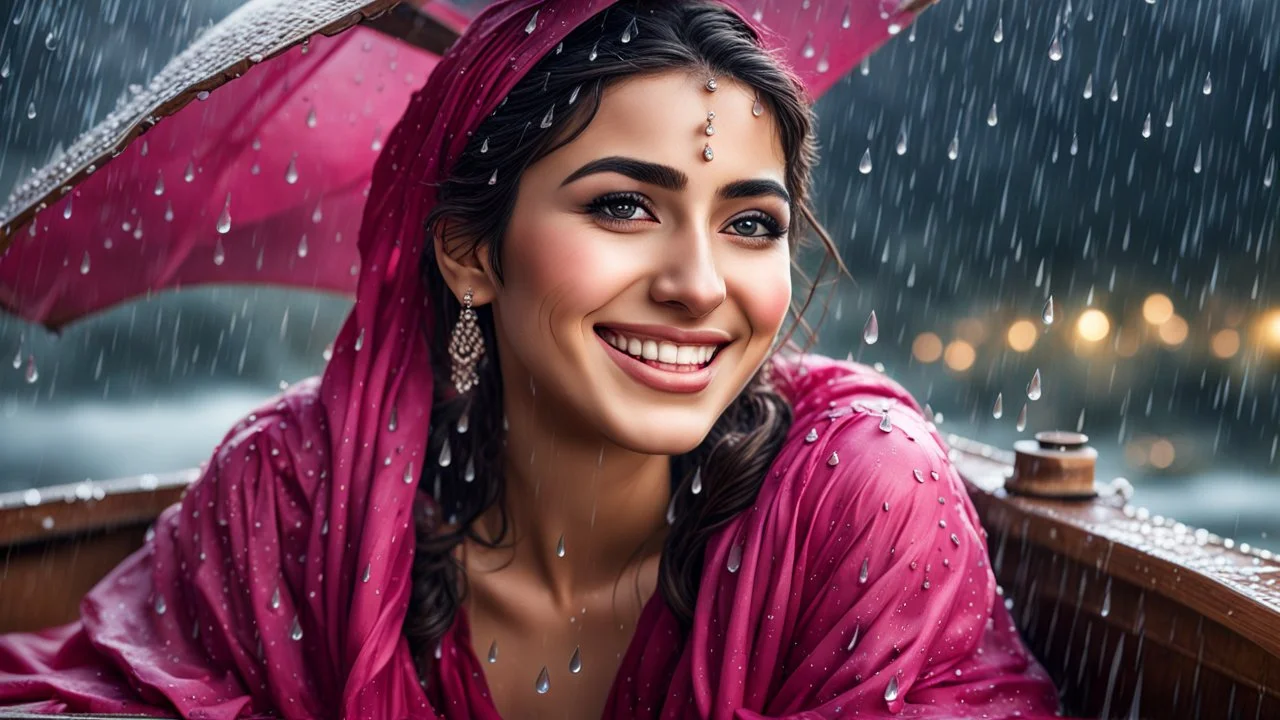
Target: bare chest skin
<point>533,629</point>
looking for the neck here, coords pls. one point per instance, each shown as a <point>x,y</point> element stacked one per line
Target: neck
<point>567,484</point>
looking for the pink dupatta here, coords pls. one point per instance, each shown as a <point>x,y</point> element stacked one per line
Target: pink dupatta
<point>279,585</point>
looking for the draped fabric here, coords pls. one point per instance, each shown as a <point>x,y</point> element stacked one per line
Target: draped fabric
<point>279,585</point>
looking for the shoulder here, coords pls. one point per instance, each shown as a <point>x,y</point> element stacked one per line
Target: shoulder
<point>861,451</point>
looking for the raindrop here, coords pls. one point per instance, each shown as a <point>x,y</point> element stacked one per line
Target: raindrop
<point>190,173</point>
<point>1208,84</point>
<point>1115,91</point>
<point>902,141</point>
<point>886,424</point>
<point>997,411</point>
<point>159,185</point>
<point>919,476</point>
<point>1046,314</point>
<point>311,118</point>
<point>696,485</point>
<point>1088,87</point>
<point>998,35</point>
<point>560,547</point>
<point>575,662</point>
<point>834,459</point>
<point>548,118</point>
<point>1055,49</point>
<point>446,455</point>
<point>4,69</point>
<point>1146,126</point>
<point>953,150</point>
<point>1022,418</point>
<point>1270,175</point>
<point>1199,164</point>
<point>853,640</point>
<point>959,26</point>
<point>1106,600</point>
<point>161,605</point>
<point>891,692</point>
<point>811,436</point>
<point>275,599</point>
<point>31,497</point>
<point>865,571</point>
<point>484,146</point>
<point>368,572</point>
<point>84,264</point>
<point>871,331</point>
<point>493,652</point>
<point>493,179</point>
<point>992,118</point>
<point>573,95</point>
<point>544,682</point>
<point>219,254</point>
<point>528,30</point>
<point>1075,144</point>
<point>845,20</point>
<point>735,559</point>
<point>66,212</point>
<point>463,424</point>
<point>408,474</point>
<point>1168,120</point>
<point>31,110</point>
<point>469,473</point>
<point>864,165</point>
<point>302,247</point>
<point>224,220</point>
<point>630,32</point>
<point>1033,387</point>
<point>291,172</point>
<point>295,633</point>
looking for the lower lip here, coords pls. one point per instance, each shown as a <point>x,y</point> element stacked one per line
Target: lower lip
<point>662,380</point>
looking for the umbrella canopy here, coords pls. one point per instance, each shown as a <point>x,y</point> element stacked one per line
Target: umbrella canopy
<point>263,181</point>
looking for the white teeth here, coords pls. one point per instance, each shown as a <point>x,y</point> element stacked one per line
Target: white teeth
<point>664,352</point>
<point>667,352</point>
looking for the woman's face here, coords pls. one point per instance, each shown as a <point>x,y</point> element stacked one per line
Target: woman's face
<point>644,285</point>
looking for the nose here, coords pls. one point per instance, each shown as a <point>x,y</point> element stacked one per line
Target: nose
<point>689,278</point>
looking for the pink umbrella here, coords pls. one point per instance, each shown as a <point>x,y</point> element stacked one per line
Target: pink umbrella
<point>263,181</point>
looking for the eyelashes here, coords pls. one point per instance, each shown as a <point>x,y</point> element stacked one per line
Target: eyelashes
<point>619,208</point>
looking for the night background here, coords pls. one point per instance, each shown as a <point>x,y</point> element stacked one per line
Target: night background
<point>966,173</point>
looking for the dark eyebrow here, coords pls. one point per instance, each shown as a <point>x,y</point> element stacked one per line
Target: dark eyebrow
<point>669,178</point>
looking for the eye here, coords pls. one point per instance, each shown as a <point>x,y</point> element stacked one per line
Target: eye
<point>757,225</point>
<point>619,207</point>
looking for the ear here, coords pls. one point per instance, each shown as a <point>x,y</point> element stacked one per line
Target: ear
<point>464,264</point>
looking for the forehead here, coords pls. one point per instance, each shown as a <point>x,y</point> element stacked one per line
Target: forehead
<point>663,118</point>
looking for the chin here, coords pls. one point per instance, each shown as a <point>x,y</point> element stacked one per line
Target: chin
<point>659,431</point>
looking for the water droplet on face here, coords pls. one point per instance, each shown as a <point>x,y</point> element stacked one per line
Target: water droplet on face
<point>224,219</point>
<point>543,683</point>
<point>560,547</point>
<point>1022,418</point>
<point>696,486</point>
<point>446,455</point>
<point>532,24</point>
<point>864,165</point>
<point>735,559</point>
<point>997,410</point>
<point>1033,387</point>
<point>757,108</point>
<point>885,423</point>
<point>812,435</point>
<point>295,633</point>
<point>493,651</point>
<point>891,692</point>
<point>871,331</point>
<point>575,662</point>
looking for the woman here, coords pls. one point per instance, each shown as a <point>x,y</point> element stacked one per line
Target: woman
<point>558,382</point>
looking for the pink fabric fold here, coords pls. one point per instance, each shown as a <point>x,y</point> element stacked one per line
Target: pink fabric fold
<point>279,585</point>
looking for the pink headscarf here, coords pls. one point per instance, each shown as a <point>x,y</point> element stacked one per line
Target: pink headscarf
<point>281,582</point>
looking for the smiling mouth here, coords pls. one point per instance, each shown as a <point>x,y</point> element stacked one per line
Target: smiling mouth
<point>662,354</point>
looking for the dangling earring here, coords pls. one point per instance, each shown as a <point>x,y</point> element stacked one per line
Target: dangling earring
<point>465,347</point>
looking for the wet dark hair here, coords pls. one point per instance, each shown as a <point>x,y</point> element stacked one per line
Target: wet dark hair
<point>547,109</point>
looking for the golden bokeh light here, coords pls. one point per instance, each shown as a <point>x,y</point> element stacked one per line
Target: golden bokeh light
<point>959,355</point>
<point>1269,330</point>
<point>1162,453</point>
<point>1174,331</point>
<point>1022,335</point>
<point>1157,309</point>
<point>927,347</point>
<point>1226,343</point>
<point>1093,325</point>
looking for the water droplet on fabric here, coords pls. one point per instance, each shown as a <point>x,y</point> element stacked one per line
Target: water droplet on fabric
<point>190,173</point>
<point>311,118</point>
<point>368,572</point>
<point>360,340</point>
<point>159,189</point>
<point>302,246</point>
<point>275,599</point>
<point>291,172</point>
<point>885,423</point>
<point>811,436</point>
<point>408,474</point>
<point>834,459</point>
<point>295,633</point>
<point>532,24</point>
<point>735,559</point>
<point>219,254</point>
<point>84,264</point>
<point>891,692</point>
<point>224,219</point>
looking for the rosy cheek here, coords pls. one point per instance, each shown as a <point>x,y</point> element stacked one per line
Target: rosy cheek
<point>766,296</point>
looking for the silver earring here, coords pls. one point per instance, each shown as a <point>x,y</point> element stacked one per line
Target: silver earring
<point>465,347</point>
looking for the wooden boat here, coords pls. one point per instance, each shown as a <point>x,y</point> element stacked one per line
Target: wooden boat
<point>1134,615</point>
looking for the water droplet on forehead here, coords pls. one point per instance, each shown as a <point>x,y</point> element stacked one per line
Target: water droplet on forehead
<point>493,652</point>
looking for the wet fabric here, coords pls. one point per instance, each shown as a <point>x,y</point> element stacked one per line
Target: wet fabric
<point>279,585</point>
